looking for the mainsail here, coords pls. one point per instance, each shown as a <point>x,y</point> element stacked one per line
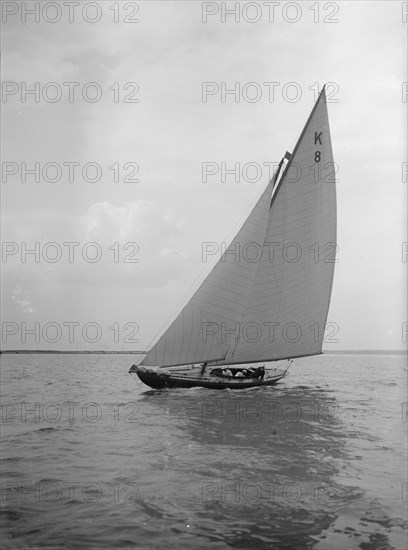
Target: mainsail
<point>268,296</point>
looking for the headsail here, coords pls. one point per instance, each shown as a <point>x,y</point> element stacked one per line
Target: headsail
<point>268,296</point>
<point>220,300</point>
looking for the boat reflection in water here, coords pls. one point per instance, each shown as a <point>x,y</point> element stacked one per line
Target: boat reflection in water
<point>254,469</point>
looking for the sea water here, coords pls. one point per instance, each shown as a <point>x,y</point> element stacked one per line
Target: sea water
<point>94,459</point>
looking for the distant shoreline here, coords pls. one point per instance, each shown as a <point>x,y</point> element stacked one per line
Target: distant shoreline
<point>367,352</point>
<point>102,352</point>
<point>63,352</point>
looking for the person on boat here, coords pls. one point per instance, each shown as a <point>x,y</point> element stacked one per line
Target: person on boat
<point>226,372</point>
<point>239,374</point>
<point>203,365</point>
<point>260,372</point>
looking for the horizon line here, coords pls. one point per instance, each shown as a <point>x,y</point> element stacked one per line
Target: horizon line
<point>135,352</point>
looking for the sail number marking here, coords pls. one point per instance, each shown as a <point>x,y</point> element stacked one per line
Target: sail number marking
<point>318,139</point>
<point>329,178</point>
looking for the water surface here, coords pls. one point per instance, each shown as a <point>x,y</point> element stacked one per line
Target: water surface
<point>93,459</point>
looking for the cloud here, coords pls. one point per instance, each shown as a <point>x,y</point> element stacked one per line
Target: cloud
<point>130,244</point>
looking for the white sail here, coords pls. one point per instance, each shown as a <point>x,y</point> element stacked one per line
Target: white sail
<point>268,296</point>
<point>288,307</point>
<point>195,334</point>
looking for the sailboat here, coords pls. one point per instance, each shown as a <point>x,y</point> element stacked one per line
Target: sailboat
<point>267,298</point>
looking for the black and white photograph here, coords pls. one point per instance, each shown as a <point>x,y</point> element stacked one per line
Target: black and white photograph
<point>203,275</point>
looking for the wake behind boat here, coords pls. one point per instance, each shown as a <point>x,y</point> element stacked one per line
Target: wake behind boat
<point>268,296</point>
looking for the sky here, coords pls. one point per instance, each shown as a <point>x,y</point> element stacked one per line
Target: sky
<point>129,101</point>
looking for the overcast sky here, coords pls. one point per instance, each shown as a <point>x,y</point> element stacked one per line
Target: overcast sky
<point>162,140</point>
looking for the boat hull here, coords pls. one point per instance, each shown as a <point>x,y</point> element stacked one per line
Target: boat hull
<point>159,381</point>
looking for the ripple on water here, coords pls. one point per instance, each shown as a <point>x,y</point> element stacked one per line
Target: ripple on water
<point>300,465</point>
